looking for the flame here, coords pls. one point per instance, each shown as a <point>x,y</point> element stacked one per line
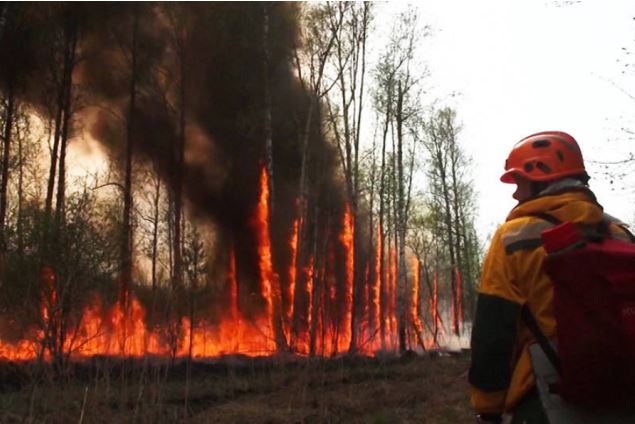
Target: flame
<point>268,278</point>
<point>392,316</point>
<point>414,295</point>
<point>293,244</point>
<point>347,240</point>
<point>49,294</point>
<point>415,305</point>
<point>233,284</point>
<point>434,309</point>
<point>376,289</point>
<point>302,343</point>
<point>323,311</point>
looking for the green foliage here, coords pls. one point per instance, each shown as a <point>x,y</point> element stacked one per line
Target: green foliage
<point>83,256</point>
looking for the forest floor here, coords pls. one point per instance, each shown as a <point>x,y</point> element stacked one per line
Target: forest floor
<point>429,388</point>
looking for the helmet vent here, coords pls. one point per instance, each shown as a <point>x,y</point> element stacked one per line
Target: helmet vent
<point>540,144</point>
<point>543,167</point>
<point>528,167</point>
<point>560,155</point>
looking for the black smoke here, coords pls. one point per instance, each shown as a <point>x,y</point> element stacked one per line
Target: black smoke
<point>218,49</point>
<point>224,85</point>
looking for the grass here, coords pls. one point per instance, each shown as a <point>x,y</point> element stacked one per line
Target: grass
<point>412,389</point>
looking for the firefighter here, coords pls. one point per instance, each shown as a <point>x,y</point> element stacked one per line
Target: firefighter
<point>550,177</point>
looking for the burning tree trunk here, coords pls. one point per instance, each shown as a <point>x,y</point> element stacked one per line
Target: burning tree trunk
<point>277,317</point>
<point>270,283</point>
<point>268,132</point>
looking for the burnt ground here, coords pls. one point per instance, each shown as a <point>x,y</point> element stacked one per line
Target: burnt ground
<point>282,389</point>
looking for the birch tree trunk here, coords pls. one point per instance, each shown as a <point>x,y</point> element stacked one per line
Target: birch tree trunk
<point>278,327</point>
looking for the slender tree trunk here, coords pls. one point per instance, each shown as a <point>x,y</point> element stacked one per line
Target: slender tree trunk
<point>126,242</point>
<point>278,327</point>
<point>66,122</point>
<point>155,233</point>
<point>401,226</point>
<point>20,217</point>
<point>460,230</point>
<point>358,274</point>
<point>373,275</point>
<point>268,132</point>
<point>382,203</point>
<point>4,183</point>
<point>451,248</point>
<point>177,277</point>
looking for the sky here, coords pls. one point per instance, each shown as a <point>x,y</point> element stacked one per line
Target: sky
<point>519,67</point>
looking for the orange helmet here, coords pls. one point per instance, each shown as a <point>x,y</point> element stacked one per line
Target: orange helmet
<point>544,156</point>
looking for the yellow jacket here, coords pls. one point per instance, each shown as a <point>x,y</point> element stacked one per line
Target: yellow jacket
<point>500,373</point>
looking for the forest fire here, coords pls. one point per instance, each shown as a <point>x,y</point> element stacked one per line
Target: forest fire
<point>223,255</point>
<point>327,311</point>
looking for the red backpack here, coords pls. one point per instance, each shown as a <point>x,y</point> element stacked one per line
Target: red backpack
<point>593,279</point>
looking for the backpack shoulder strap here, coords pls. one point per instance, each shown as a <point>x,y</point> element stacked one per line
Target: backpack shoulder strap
<point>528,317</point>
<point>592,232</point>
<point>547,217</point>
<point>532,324</point>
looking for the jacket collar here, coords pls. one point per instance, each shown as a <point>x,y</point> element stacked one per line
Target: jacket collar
<point>567,200</point>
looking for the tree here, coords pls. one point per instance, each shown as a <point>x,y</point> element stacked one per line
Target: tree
<point>352,21</point>
<point>398,80</point>
<point>311,57</point>
<point>16,40</point>
<point>451,198</point>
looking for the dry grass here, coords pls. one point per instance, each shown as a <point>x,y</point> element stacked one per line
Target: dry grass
<point>239,390</point>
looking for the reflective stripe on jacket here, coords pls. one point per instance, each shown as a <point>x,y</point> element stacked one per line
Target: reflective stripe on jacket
<point>500,373</point>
